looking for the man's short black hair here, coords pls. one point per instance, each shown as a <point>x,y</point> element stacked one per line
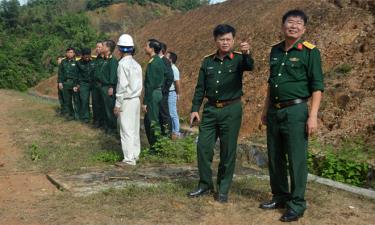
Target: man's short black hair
<point>86,51</point>
<point>70,49</point>
<point>110,44</point>
<point>99,42</point>
<point>163,47</point>
<point>154,44</point>
<point>295,13</point>
<point>222,29</point>
<point>173,57</point>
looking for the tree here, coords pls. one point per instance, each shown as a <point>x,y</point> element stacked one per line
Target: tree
<point>9,13</point>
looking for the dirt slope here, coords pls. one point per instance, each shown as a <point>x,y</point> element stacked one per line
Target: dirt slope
<point>342,30</point>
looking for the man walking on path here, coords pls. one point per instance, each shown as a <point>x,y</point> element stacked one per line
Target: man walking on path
<point>128,105</point>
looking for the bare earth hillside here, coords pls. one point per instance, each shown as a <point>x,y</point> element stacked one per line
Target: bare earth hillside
<point>343,31</point>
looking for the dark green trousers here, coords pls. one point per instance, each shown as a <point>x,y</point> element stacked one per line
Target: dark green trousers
<point>84,95</point>
<point>287,151</point>
<point>97,105</point>
<point>110,120</point>
<point>151,118</point>
<point>61,99</point>
<point>223,123</point>
<point>71,100</point>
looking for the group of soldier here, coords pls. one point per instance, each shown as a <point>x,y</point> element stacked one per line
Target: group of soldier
<point>295,76</point>
<point>115,88</point>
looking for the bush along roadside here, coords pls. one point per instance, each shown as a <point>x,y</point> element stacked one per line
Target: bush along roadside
<point>182,150</point>
<point>335,167</point>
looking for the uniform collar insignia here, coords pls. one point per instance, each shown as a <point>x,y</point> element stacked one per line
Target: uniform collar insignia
<point>299,46</point>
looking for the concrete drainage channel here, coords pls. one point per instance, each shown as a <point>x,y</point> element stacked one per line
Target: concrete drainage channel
<point>250,153</point>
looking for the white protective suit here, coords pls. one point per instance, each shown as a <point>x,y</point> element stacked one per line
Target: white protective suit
<point>128,92</point>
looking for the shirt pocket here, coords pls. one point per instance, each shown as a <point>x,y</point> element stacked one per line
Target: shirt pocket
<point>231,69</point>
<point>296,70</point>
<point>274,62</point>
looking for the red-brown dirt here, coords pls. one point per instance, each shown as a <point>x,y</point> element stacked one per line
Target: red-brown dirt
<point>342,30</point>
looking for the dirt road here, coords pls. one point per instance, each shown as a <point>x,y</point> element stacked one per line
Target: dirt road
<point>19,189</point>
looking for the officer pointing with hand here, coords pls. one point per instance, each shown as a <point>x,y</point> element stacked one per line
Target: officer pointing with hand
<point>220,81</point>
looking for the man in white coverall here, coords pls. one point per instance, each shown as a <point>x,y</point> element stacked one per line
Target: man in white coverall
<point>127,107</point>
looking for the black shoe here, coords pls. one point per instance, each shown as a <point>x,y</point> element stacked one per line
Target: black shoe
<point>290,215</point>
<point>272,205</point>
<point>221,198</point>
<point>199,192</point>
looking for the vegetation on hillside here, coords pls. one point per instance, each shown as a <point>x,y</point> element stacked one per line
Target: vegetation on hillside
<point>32,36</point>
<point>183,5</point>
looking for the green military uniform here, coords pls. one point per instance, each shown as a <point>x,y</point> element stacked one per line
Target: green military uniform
<point>153,83</point>
<point>97,102</point>
<point>220,81</point>
<point>294,74</point>
<point>105,78</point>
<point>61,99</point>
<point>85,82</point>
<point>68,76</point>
<point>164,115</point>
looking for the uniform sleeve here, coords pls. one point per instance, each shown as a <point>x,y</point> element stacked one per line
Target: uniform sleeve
<point>200,89</point>
<point>60,73</point>
<point>122,84</point>
<point>113,73</point>
<point>247,62</point>
<point>146,84</point>
<point>81,72</point>
<point>315,73</point>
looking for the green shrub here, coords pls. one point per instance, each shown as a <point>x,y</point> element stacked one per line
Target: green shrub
<point>171,151</point>
<point>36,153</point>
<point>339,169</point>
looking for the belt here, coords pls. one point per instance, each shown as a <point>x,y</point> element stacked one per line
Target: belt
<point>172,90</point>
<point>281,105</point>
<point>223,103</point>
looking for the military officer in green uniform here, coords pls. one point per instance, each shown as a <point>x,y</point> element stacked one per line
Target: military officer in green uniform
<point>67,79</point>
<point>59,91</point>
<point>295,75</point>
<point>220,81</point>
<point>106,83</point>
<point>153,83</point>
<point>97,103</point>
<point>86,68</point>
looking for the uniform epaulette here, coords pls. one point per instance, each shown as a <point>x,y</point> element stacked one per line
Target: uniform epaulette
<point>152,59</point>
<point>308,45</point>
<point>77,58</point>
<point>276,43</point>
<point>206,56</point>
<point>237,52</point>
<point>93,56</point>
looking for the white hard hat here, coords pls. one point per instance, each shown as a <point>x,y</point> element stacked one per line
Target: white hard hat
<point>125,40</point>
